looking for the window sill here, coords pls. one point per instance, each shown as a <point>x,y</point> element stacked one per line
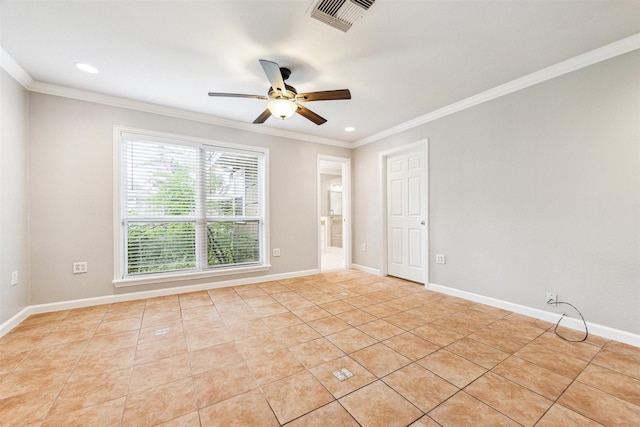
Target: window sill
<point>179,277</point>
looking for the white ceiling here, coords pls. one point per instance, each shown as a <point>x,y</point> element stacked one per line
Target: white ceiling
<point>404,59</point>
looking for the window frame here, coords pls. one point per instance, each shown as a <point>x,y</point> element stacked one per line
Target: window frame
<point>120,278</point>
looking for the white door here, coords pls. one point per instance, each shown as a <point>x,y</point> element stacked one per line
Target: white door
<point>406,216</point>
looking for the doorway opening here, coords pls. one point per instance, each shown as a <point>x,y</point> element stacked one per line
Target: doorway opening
<point>333,212</point>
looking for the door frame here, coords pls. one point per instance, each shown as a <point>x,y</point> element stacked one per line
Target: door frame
<point>421,145</point>
<point>346,206</point>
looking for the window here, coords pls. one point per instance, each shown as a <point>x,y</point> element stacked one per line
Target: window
<point>189,207</point>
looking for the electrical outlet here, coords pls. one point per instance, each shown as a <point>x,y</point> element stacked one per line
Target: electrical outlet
<point>276,252</point>
<point>364,247</point>
<point>440,259</point>
<point>552,298</point>
<point>80,267</point>
<point>14,278</point>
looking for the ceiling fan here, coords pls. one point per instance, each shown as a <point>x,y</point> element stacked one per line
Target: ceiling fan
<point>284,100</point>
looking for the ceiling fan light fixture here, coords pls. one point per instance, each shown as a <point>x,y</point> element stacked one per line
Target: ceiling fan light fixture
<point>283,108</point>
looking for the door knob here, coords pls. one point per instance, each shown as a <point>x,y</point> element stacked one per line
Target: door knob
<point>422,223</point>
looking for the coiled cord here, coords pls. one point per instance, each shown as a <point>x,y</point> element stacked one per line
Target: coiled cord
<point>555,330</point>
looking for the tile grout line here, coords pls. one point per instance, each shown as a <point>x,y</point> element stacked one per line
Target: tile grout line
<point>507,379</point>
<point>304,292</point>
<point>347,355</point>
<point>64,384</point>
<point>575,379</point>
<point>127,394</point>
<point>377,341</point>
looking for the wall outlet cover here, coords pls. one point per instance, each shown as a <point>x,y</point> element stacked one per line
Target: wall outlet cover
<point>80,267</point>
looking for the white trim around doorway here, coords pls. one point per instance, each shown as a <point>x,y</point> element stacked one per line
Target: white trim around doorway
<point>346,206</point>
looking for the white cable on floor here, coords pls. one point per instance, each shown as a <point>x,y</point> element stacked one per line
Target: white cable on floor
<point>555,330</point>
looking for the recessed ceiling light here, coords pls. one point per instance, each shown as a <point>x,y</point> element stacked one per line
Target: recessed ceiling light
<point>349,129</point>
<point>87,68</point>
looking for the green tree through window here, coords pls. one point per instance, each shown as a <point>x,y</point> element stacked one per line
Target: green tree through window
<point>190,208</point>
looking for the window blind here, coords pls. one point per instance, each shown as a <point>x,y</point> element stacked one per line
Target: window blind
<point>189,207</point>
<point>233,208</point>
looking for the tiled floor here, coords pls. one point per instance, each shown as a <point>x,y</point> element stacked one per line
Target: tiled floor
<point>263,355</point>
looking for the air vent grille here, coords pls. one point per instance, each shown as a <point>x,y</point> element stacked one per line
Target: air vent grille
<point>365,4</point>
<point>340,14</point>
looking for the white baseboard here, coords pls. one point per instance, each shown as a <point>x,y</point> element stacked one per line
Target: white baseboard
<point>14,321</point>
<point>366,269</point>
<point>131,296</point>
<point>569,322</point>
<point>600,330</point>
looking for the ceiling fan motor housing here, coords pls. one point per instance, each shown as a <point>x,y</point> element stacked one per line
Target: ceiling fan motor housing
<point>290,93</point>
<point>286,73</point>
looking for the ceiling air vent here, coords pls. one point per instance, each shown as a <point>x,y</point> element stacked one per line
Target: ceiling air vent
<point>340,14</point>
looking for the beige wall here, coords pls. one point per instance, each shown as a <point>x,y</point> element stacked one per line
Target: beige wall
<point>536,191</point>
<point>14,190</point>
<point>72,194</point>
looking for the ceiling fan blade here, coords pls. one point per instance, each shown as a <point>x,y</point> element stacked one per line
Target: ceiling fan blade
<point>325,95</point>
<point>272,70</point>
<point>262,117</point>
<point>308,114</point>
<point>237,95</point>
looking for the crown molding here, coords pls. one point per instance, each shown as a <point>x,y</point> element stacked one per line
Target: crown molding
<point>115,101</point>
<point>595,56</point>
<point>14,69</point>
<point>21,76</point>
